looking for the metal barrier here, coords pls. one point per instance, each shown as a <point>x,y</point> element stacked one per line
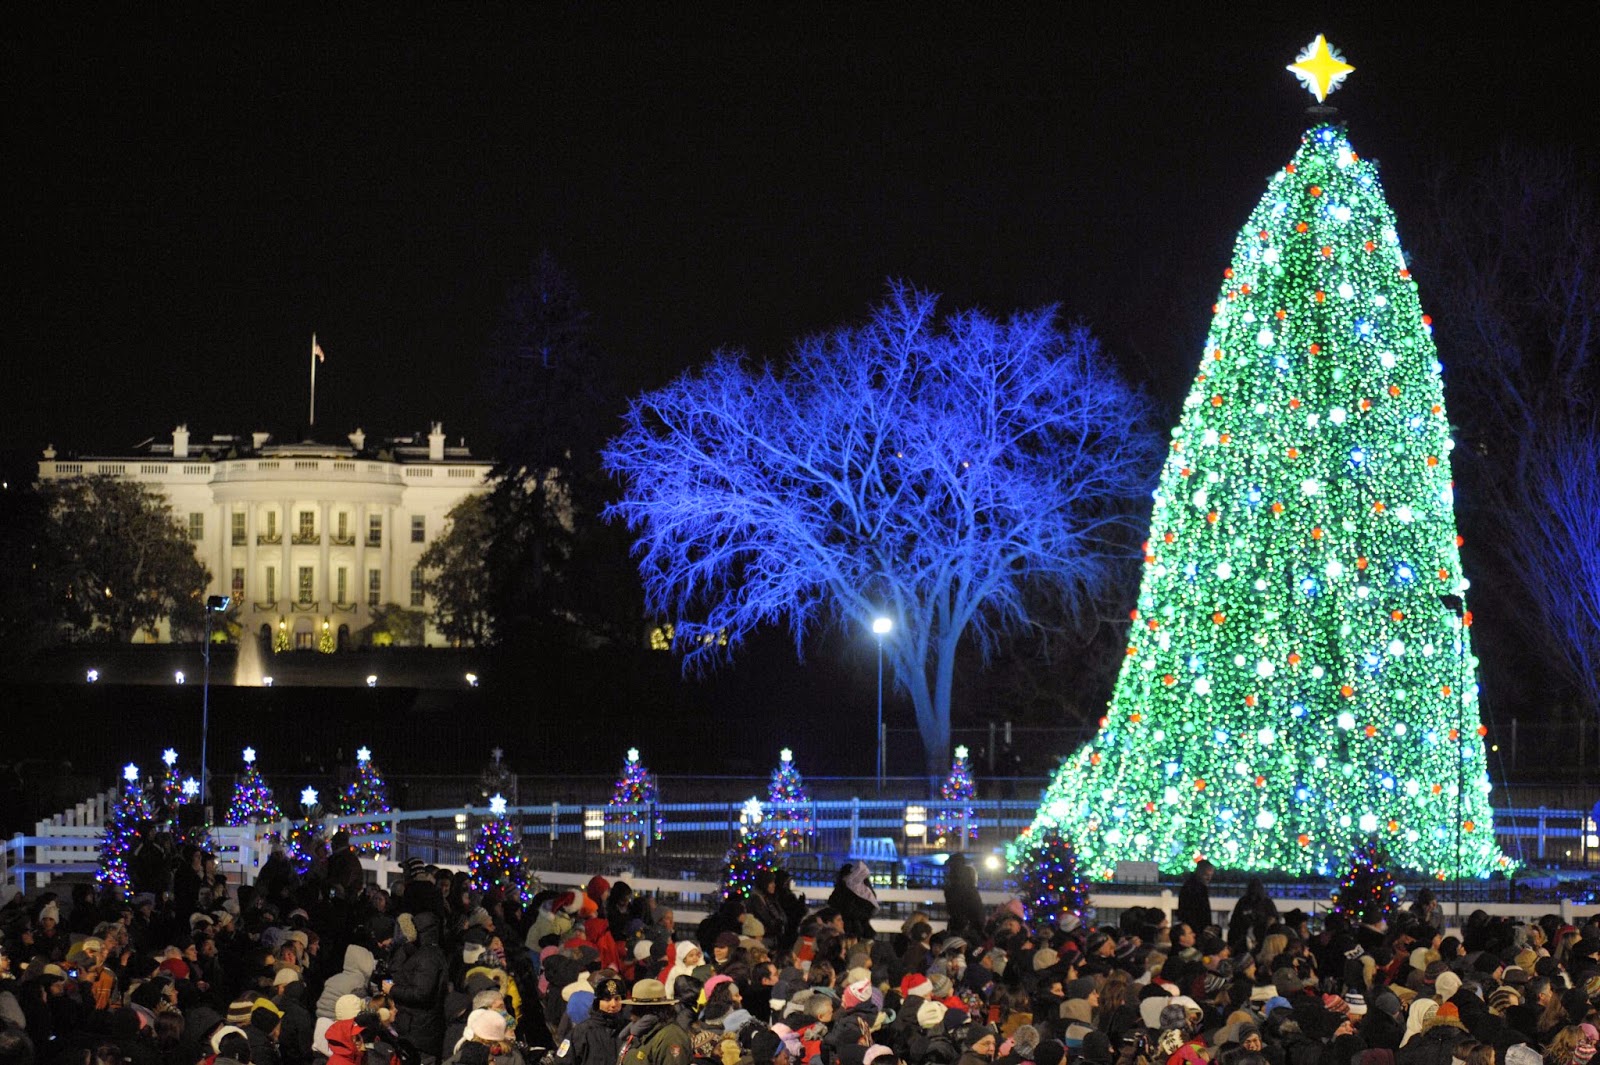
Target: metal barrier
<point>894,835</point>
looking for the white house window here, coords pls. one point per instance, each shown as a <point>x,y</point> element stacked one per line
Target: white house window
<point>419,528</point>
<point>197,526</point>
<point>374,587</point>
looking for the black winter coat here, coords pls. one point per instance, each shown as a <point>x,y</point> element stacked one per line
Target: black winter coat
<point>420,985</point>
<point>592,1041</point>
<point>1433,1047</point>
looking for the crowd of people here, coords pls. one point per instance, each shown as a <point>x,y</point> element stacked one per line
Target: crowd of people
<point>327,969</point>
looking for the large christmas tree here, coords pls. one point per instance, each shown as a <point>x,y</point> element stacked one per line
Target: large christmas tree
<point>1299,674</point>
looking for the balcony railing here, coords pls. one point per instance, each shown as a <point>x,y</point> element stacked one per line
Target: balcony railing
<point>342,541</point>
<point>306,538</point>
<point>269,538</point>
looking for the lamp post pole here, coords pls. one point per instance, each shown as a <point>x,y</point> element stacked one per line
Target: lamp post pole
<point>215,604</point>
<point>881,627</point>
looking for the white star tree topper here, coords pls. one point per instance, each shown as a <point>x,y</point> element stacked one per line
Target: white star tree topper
<point>308,796</point>
<point>130,772</point>
<point>363,755</point>
<point>497,805</point>
<point>169,756</point>
<point>249,756</point>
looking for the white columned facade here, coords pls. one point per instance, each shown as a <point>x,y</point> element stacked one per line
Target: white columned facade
<point>253,477</point>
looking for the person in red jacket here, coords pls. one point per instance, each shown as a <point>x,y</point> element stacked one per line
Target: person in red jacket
<point>349,1042</point>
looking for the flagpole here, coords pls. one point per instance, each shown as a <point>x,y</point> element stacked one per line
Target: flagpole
<point>313,380</point>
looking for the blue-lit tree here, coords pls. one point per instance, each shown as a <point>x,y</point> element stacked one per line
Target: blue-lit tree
<point>938,471</point>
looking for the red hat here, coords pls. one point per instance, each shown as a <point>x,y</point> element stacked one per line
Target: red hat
<point>1449,1012</point>
<point>177,967</point>
<point>915,984</point>
<point>597,887</point>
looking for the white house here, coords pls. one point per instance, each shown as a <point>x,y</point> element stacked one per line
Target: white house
<point>309,537</point>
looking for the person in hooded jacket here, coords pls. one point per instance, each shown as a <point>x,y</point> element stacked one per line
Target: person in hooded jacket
<point>1436,1043</point>
<point>353,979</point>
<point>854,899</point>
<point>419,987</point>
<point>349,1043</point>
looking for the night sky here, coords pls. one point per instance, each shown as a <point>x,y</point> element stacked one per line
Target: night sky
<point>190,202</point>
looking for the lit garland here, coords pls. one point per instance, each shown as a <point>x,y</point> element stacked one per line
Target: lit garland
<point>121,835</point>
<point>495,858</point>
<point>252,799</point>
<point>366,794</point>
<point>1366,894</point>
<point>958,791</point>
<point>789,803</point>
<point>1045,876</point>
<point>1299,674</point>
<point>625,829</point>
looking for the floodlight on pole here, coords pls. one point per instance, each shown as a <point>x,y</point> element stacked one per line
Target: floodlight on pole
<point>215,604</point>
<point>881,627</point>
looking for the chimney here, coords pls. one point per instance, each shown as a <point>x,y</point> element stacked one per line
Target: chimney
<point>358,439</point>
<point>258,440</point>
<point>436,443</point>
<point>180,442</point>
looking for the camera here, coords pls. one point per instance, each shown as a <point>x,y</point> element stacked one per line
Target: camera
<point>380,973</point>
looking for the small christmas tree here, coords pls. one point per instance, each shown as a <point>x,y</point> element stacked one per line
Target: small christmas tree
<point>958,791</point>
<point>757,851</point>
<point>789,803</point>
<point>627,829</point>
<point>122,833</point>
<point>366,794</point>
<point>495,859</point>
<point>252,798</point>
<point>1366,894</point>
<point>1045,875</point>
<point>168,794</point>
<point>305,834</point>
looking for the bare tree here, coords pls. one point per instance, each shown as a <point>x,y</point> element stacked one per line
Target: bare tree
<point>936,472</point>
<point>1511,255</point>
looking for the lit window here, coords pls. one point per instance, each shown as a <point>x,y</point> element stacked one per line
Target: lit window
<point>197,526</point>
<point>374,587</point>
<point>419,528</point>
<point>417,594</point>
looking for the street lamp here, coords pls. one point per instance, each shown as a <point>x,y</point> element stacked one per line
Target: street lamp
<point>215,604</point>
<point>881,627</point>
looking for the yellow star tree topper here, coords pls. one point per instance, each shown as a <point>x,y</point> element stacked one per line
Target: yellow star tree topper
<point>1320,68</point>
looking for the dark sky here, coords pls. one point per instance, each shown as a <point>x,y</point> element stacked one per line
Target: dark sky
<point>188,203</point>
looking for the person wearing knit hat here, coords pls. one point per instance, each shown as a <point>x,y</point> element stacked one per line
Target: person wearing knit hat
<point>915,985</point>
<point>931,1014</point>
<point>857,993</point>
<point>1044,958</point>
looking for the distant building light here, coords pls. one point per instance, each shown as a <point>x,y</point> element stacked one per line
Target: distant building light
<point>372,680</point>
<point>266,682</point>
<point>177,677</point>
<point>92,676</point>
<point>472,680</point>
